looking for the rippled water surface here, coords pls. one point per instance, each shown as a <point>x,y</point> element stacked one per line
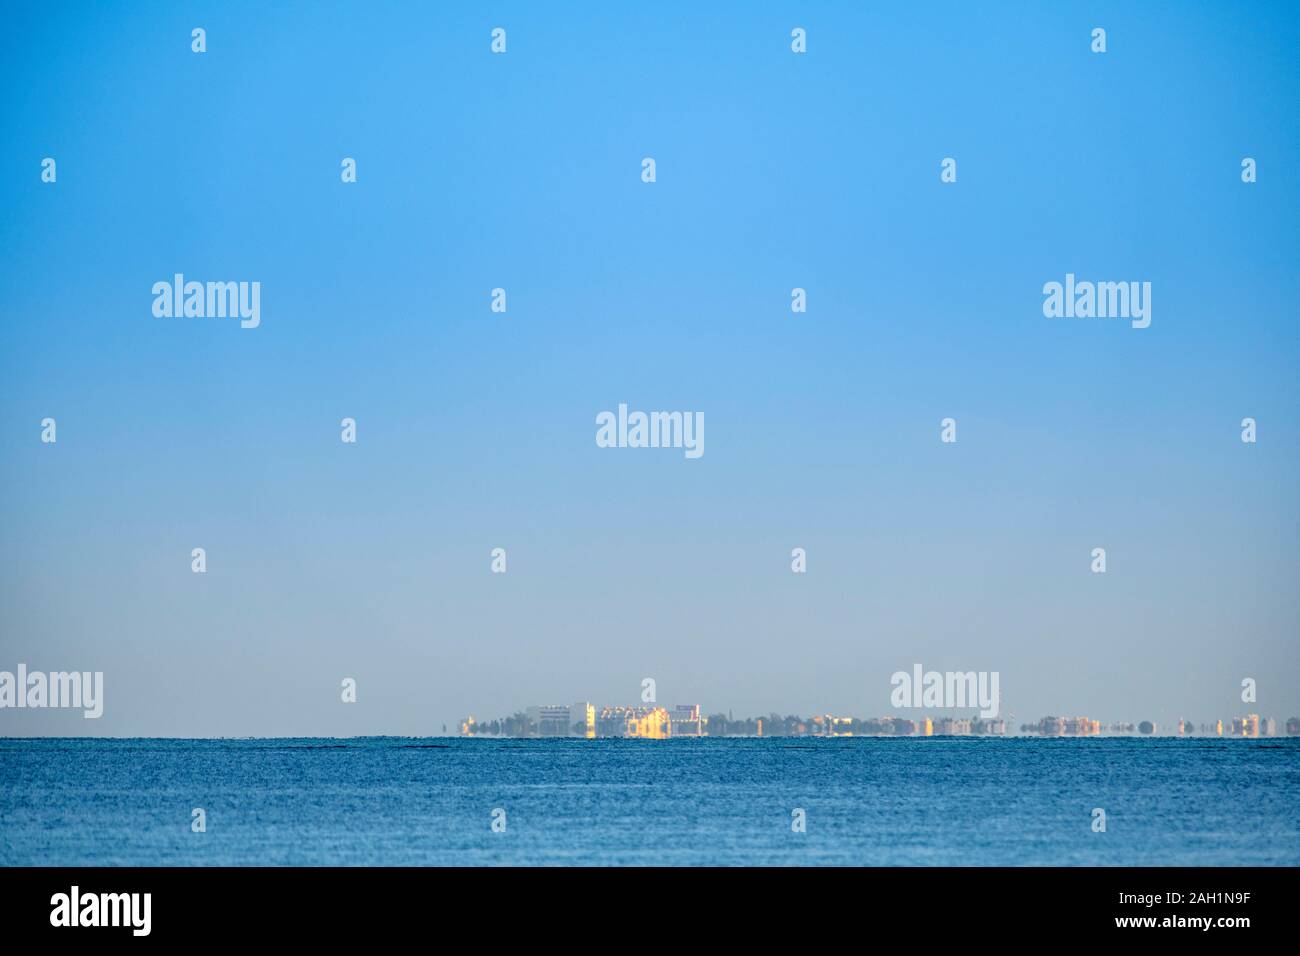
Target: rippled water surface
<point>868,801</point>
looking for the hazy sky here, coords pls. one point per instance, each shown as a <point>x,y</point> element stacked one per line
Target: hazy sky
<point>476,430</point>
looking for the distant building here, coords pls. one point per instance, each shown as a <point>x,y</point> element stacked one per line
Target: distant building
<point>827,725</point>
<point>1247,726</point>
<point>549,721</point>
<point>687,721</point>
<point>1065,727</point>
<point>612,721</point>
<point>992,726</point>
<point>951,726</point>
<point>563,720</point>
<point>582,720</point>
<point>653,723</point>
<point>1080,727</point>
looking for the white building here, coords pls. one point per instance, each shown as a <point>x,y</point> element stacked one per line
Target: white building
<point>561,720</point>
<point>687,721</point>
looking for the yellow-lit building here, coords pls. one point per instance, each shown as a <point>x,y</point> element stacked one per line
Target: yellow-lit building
<point>583,720</point>
<point>827,725</point>
<point>654,724</point>
<point>1247,726</point>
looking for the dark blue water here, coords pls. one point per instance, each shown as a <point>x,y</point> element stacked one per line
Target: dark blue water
<point>709,801</point>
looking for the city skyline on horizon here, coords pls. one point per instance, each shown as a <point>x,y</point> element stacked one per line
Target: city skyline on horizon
<point>61,715</point>
<point>396,462</point>
<point>1182,726</point>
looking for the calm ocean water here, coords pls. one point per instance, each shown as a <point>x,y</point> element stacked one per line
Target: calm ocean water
<point>868,801</point>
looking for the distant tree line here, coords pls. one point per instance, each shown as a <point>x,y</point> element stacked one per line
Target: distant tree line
<point>516,725</point>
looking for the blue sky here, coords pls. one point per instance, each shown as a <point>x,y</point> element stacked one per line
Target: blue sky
<point>476,430</point>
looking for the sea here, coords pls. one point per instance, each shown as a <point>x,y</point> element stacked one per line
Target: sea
<point>845,801</point>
